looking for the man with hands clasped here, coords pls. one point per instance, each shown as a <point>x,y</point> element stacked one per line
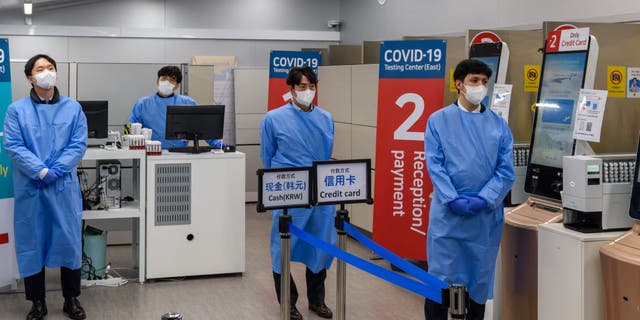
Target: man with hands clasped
<point>468,150</point>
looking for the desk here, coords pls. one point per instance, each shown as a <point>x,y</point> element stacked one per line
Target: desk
<point>569,276</point>
<point>134,210</point>
<point>196,214</point>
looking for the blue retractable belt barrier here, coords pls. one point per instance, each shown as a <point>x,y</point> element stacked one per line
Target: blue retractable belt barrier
<point>433,294</point>
<point>394,259</point>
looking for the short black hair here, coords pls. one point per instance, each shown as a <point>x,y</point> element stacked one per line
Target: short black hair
<point>28,68</point>
<point>296,73</point>
<point>471,66</point>
<point>171,72</point>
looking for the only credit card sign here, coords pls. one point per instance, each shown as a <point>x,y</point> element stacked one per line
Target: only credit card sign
<point>284,188</point>
<point>343,181</point>
<point>568,40</point>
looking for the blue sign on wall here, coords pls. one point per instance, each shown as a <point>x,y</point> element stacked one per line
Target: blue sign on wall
<point>415,59</point>
<point>6,183</point>
<point>280,62</point>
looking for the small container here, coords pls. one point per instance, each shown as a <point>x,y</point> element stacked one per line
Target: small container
<point>146,132</point>
<point>136,128</point>
<point>136,142</point>
<point>154,148</point>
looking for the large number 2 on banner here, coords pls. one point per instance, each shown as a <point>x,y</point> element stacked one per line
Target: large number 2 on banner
<point>1,56</point>
<point>403,133</point>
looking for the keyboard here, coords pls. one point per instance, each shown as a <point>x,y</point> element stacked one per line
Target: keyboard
<point>202,149</point>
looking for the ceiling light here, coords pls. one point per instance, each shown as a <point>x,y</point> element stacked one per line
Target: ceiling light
<point>28,8</point>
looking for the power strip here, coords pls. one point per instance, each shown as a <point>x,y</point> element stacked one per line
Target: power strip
<point>110,282</point>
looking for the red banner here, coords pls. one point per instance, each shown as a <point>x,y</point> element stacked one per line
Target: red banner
<point>4,238</point>
<point>410,88</point>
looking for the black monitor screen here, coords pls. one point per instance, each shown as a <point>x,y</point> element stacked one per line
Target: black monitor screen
<point>562,78</point>
<point>634,208</point>
<point>488,53</point>
<point>190,122</point>
<point>97,113</point>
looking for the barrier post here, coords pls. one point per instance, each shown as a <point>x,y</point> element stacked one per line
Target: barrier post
<point>342,216</point>
<point>285,265</point>
<point>456,298</point>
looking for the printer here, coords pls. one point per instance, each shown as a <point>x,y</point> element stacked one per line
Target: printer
<point>597,192</point>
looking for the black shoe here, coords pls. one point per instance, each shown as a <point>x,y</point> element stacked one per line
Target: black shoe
<point>322,310</point>
<point>38,310</point>
<point>294,314</point>
<point>73,309</point>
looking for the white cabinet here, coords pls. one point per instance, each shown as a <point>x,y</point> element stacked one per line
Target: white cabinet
<point>196,214</point>
<point>569,276</point>
<point>134,210</point>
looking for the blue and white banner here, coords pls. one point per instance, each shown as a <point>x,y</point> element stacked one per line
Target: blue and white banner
<point>280,63</point>
<point>8,266</point>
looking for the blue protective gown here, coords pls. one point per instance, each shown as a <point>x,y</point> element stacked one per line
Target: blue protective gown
<point>470,154</point>
<point>290,137</point>
<point>151,112</point>
<point>47,220</point>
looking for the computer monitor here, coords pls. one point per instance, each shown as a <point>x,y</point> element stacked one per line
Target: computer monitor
<point>634,207</point>
<point>97,113</point>
<point>194,123</point>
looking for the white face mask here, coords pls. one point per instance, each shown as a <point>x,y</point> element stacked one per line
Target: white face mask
<point>475,94</point>
<point>305,97</point>
<point>45,79</point>
<point>165,88</point>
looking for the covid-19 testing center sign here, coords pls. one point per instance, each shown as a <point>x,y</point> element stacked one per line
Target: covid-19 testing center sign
<point>280,63</point>
<point>8,265</point>
<point>410,88</point>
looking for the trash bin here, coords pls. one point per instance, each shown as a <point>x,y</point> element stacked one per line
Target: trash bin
<point>94,253</point>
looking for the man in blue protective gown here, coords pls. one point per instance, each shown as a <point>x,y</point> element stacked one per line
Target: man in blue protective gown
<point>45,135</point>
<point>295,135</point>
<point>151,111</point>
<point>468,153</point>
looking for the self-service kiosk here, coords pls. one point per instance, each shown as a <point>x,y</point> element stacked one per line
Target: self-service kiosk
<point>620,262</point>
<point>567,67</point>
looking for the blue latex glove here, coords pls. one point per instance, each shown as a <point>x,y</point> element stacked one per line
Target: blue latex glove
<point>460,206</point>
<point>476,203</point>
<point>51,177</point>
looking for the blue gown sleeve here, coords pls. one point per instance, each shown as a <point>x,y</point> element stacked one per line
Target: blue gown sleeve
<point>23,158</point>
<point>499,185</point>
<point>330,146</point>
<point>434,155</point>
<point>267,142</point>
<point>136,116</point>
<point>75,149</point>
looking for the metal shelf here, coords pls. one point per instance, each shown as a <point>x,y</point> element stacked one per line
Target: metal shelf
<point>131,210</point>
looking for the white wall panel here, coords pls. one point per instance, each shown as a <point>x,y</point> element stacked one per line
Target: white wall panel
<point>248,128</point>
<point>251,90</point>
<point>334,91</point>
<point>363,143</point>
<point>364,97</point>
<point>342,141</point>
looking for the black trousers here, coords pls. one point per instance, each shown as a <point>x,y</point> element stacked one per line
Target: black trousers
<point>35,290</point>
<point>315,287</point>
<point>437,311</point>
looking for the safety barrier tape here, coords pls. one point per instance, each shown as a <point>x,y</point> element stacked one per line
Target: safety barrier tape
<point>394,259</point>
<point>422,289</point>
